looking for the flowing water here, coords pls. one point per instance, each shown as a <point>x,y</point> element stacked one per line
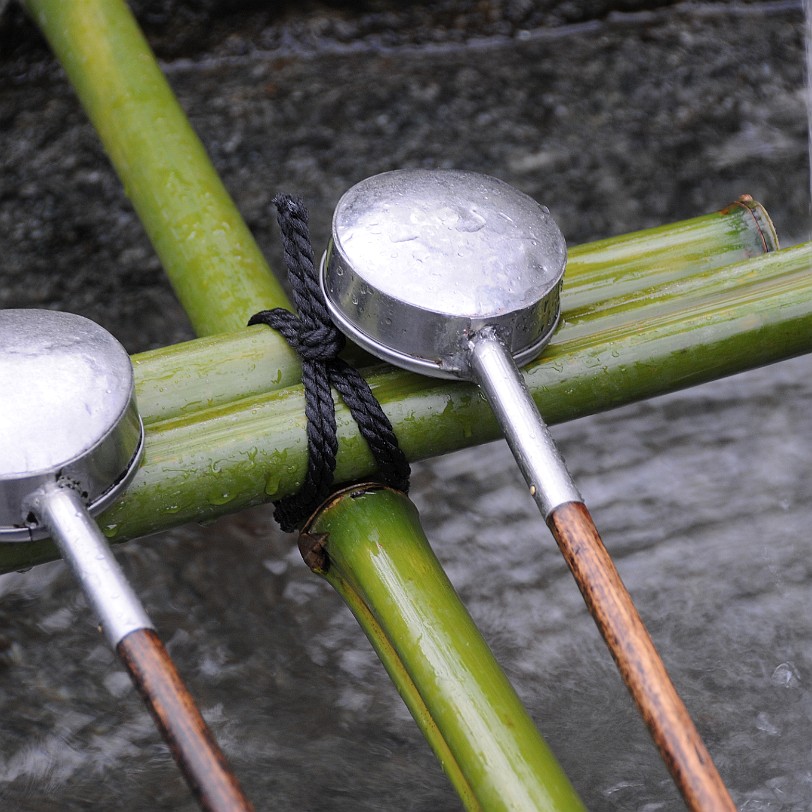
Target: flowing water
<point>703,496</point>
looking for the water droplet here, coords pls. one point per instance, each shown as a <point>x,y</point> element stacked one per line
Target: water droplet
<point>786,676</point>
<point>403,232</point>
<point>470,221</point>
<point>220,497</point>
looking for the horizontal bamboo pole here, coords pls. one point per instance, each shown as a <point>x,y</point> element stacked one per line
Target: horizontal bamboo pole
<point>210,256</point>
<point>184,378</point>
<point>223,459</point>
<point>376,551</point>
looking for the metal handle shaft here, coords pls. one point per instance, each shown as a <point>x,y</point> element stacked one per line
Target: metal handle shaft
<point>527,434</point>
<point>131,634</point>
<point>607,598</point>
<point>88,555</point>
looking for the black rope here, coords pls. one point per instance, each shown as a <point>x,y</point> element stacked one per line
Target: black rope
<point>318,342</point>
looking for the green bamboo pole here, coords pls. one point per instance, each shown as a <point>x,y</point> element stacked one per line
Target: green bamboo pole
<point>390,658</point>
<point>223,459</point>
<point>604,269</point>
<point>376,550</point>
<point>254,450</point>
<point>184,378</point>
<point>178,380</point>
<point>206,249</point>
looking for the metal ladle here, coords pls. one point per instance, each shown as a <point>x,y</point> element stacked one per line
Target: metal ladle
<point>70,440</point>
<point>457,275</point>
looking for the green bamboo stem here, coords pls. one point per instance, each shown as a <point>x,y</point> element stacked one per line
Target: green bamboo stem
<point>406,687</point>
<point>178,380</point>
<point>184,378</point>
<point>378,553</point>
<point>212,261</point>
<point>604,269</point>
<point>244,453</point>
<point>255,449</point>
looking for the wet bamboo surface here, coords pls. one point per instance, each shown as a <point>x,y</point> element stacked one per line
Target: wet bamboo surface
<point>374,552</point>
<point>244,453</point>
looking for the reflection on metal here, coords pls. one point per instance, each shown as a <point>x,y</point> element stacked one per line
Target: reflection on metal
<point>67,414</point>
<point>421,260</point>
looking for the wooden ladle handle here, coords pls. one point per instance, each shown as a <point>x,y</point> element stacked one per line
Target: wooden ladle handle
<point>185,731</point>
<point>640,665</point>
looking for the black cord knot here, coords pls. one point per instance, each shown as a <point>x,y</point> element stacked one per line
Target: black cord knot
<point>318,342</point>
<point>321,343</point>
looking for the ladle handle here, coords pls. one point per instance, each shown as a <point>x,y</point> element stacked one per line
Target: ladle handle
<point>606,596</point>
<point>130,632</point>
<point>185,731</point>
<point>638,661</point>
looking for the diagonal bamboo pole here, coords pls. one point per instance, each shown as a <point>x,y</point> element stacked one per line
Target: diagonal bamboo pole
<point>208,253</point>
<point>374,550</point>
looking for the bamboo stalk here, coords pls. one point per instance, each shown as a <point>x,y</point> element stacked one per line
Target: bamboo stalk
<point>210,256</point>
<point>223,459</point>
<point>178,380</point>
<point>376,550</point>
<point>399,675</point>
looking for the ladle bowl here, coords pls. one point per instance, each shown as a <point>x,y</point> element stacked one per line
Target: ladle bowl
<point>67,413</point>
<point>420,261</point>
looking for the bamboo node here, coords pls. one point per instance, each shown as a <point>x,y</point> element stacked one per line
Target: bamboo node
<point>312,548</point>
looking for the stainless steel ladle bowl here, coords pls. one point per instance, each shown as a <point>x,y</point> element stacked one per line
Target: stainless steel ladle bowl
<point>420,261</point>
<point>67,415</point>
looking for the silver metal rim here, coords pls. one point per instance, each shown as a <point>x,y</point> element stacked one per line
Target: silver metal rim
<point>410,362</point>
<point>100,503</point>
